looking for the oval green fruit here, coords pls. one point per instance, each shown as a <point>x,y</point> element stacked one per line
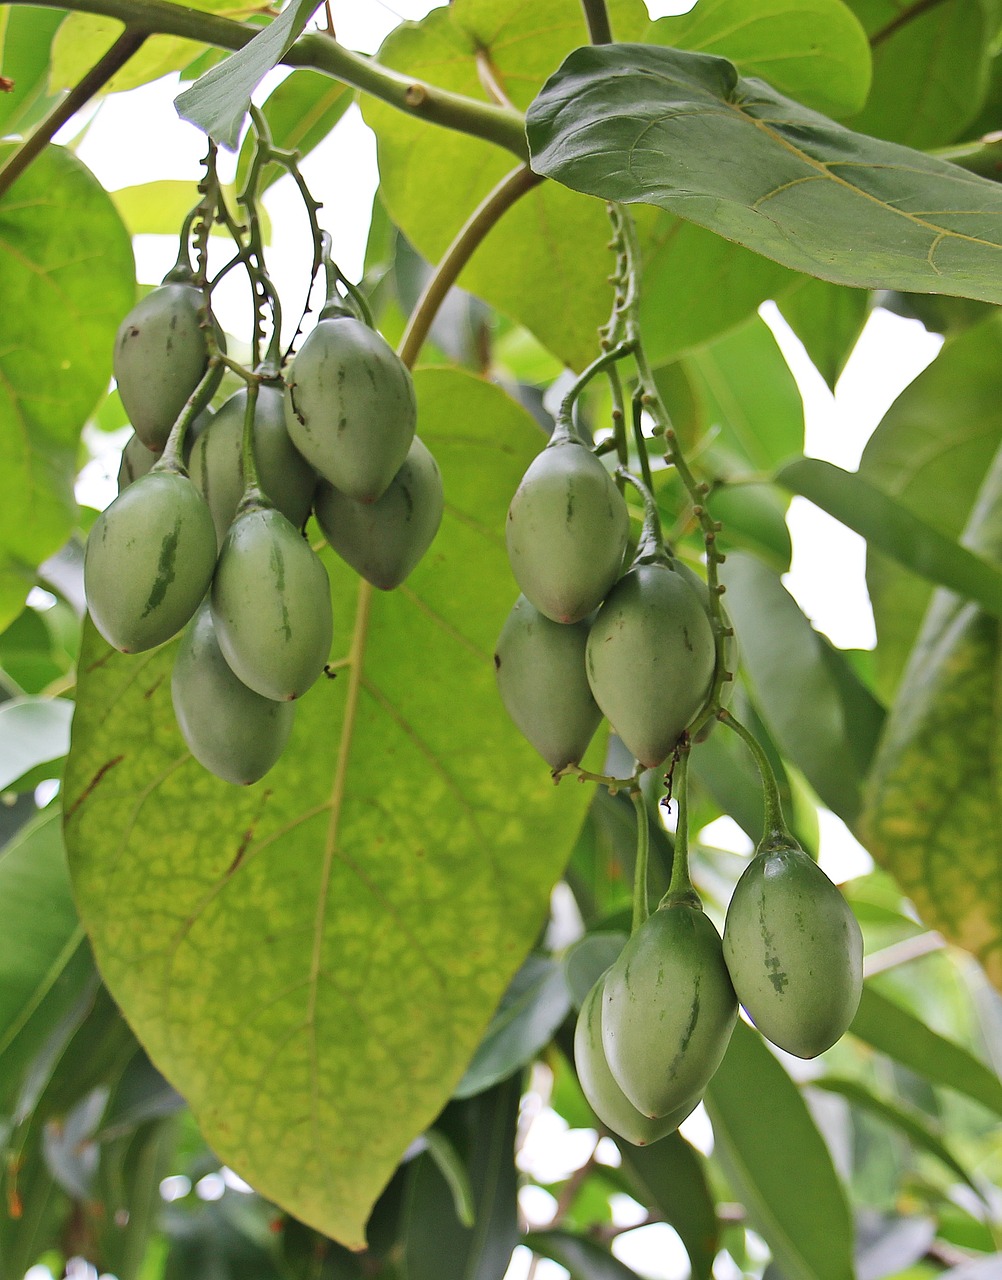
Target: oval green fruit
<point>668,1010</point>
<point>271,605</point>
<point>599,1086</point>
<point>136,461</point>
<point>350,407</point>
<point>540,669</point>
<point>159,359</point>
<point>650,659</point>
<point>794,951</point>
<point>148,561</point>
<point>230,730</point>
<point>384,540</point>
<point>216,461</point>
<point>566,531</point>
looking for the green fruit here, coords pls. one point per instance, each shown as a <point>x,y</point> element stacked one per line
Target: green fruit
<point>216,461</point>
<point>598,1085</point>
<point>668,1010</point>
<point>137,461</point>
<point>149,561</point>
<point>540,669</point>
<point>384,540</point>
<point>160,358</point>
<point>650,659</point>
<point>230,730</point>
<point>350,407</point>
<point>271,605</point>
<point>794,951</point>
<point>566,531</point>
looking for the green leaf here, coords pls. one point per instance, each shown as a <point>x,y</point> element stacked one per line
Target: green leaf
<point>300,112</point>
<point>754,518</point>
<point>320,954</point>
<point>158,208</point>
<point>635,123</point>
<point>889,1028</point>
<point>813,50</point>
<point>32,649</point>
<point>69,293</point>
<point>671,1177</point>
<point>828,319</point>
<point>24,59</point>
<point>535,1004</point>
<point>909,1120</point>
<point>33,731</point>
<point>791,667</point>
<point>586,961</point>
<point>951,43</point>
<point>894,530</point>
<point>930,453</point>
<point>219,100</point>
<point>778,1164</point>
<point>583,1258</point>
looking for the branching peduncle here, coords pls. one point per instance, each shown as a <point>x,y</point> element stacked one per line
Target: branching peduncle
<point>614,785</point>
<point>618,419</point>
<point>607,360</point>
<point>252,495</point>
<point>680,888</point>
<point>641,906</point>
<point>775,830</point>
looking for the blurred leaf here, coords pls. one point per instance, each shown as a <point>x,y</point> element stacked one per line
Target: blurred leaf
<point>777,1162</point>
<point>33,650</point>
<point>159,208</point>
<point>583,1258</point>
<point>891,1029</point>
<point>885,1245</point>
<point>670,1177</point>
<point>33,731</point>
<point>24,58</point>
<point>586,961</point>
<point>129,1176</point>
<point>532,1008</point>
<point>754,517</point>
<point>301,112</point>
<point>828,319</point>
<point>218,1242</point>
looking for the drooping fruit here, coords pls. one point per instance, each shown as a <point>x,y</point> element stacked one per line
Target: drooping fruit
<point>668,1010</point>
<point>137,461</point>
<point>794,950</point>
<point>350,407</point>
<point>384,540</point>
<point>149,561</point>
<point>566,530</point>
<point>271,605</point>
<point>216,461</point>
<point>232,731</point>
<point>650,659</point>
<point>159,359</point>
<point>599,1086</point>
<point>540,669</point>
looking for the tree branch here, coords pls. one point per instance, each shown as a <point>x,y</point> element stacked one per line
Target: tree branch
<point>902,19</point>
<point>597,18</point>
<point>500,125</point>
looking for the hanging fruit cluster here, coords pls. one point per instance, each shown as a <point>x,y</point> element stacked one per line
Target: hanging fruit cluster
<point>207,533</point>
<point>652,650</point>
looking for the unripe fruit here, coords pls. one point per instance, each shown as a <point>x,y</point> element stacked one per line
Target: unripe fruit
<point>159,359</point>
<point>230,730</point>
<point>271,605</point>
<point>136,461</point>
<point>668,1010</point>
<point>794,951</point>
<point>216,462</point>
<point>566,531</point>
<point>540,668</point>
<point>598,1085</point>
<point>149,561</point>
<point>384,540</point>
<point>650,659</point>
<point>350,407</point>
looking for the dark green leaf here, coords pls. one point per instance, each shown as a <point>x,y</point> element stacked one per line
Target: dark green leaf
<point>828,319</point>
<point>778,1163</point>
<point>635,123</point>
<point>671,1177</point>
<point>218,101</point>
<point>893,1030</point>
<point>583,1258</point>
<point>754,518</point>
<point>33,731</point>
<point>216,1241</point>
<point>129,1176</point>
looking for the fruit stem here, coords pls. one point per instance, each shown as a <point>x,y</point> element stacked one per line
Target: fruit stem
<point>336,305</point>
<point>680,887</point>
<point>652,544</point>
<point>774,828</point>
<point>172,458</point>
<point>253,495</point>
<point>638,436</point>
<point>641,907</point>
<point>615,785</point>
<point>565,416</point>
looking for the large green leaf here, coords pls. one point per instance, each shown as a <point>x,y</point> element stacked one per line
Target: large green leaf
<point>930,453</point>
<point>661,126</point>
<point>68,292</point>
<point>814,50</point>
<point>671,1177</point>
<point>584,1259</point>
<point>33,731</point>
<point>313,961</point>
<point>27,36</point>
<point>828,319</point>
<point>778,1163</point>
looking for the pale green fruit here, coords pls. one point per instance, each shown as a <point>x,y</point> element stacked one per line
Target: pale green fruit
<point>650,659</point>
<point>794,951</point>
<point>350,407</point>
<point>668,1010</point>
<point>384,540</point>
<point>540,669</point>
<point>566,531</point>
<point>149,561</point>
<point>271,605</point>
<point>216,462</point>
<point>232,731</point>
<point>137,461</point>
<point>159,359</point>
<point>598,1085</point>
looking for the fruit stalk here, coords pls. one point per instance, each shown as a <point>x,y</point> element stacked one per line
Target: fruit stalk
<point>774,828</point>
<point>680,887</point>
<point>641,907</point>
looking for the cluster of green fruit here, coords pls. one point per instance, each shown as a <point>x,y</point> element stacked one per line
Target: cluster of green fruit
<point>210,538</point>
